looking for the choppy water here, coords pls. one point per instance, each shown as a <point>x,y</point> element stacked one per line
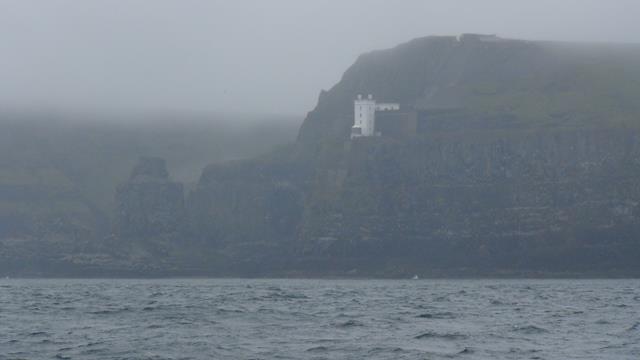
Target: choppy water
<point>319,319</point>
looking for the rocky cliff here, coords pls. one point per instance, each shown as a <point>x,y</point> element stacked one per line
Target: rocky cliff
<point>59,172</point>
<point>537,172</point>
<point>43,216</point>
<point>539,200</point>
<point>149,204</point>
<point>525,160</point>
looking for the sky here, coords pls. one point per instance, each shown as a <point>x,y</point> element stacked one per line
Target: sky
<point>247,56</point>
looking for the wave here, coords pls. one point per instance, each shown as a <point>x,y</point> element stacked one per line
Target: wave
<point>110,311</point>
<point>634,327</point>
<point>318,349</point>
<point>350,323</point>
<point>530,329</point>
<point>39,333</point>
<point>439,315</point>
<point>386,350</point>
<point>445,336</point>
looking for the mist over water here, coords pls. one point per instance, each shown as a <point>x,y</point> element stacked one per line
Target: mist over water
<point>319,319</point>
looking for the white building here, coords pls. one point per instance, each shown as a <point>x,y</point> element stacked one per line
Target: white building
<point>387,107</point>
<point>364,121</point>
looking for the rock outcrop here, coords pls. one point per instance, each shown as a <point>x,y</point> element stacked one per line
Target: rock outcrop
<point>149,204</point>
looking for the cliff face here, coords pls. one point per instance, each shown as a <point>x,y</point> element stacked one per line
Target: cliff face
<point>249,211</point>
<point>149,203</point>
<point>150,223</point>
<point>43,215</point>
<point>59,172</point>
<point>535,172</point>
<point>563,200</point>
<point>550,201</point>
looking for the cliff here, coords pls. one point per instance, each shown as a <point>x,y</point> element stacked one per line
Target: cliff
<point>149,204</point>
<point>521,159</point>
<point>530,201</point>
<point>43,216</point>
<point>534,172</point>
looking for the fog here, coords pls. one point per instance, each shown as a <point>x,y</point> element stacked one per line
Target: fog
<point>246,56</point>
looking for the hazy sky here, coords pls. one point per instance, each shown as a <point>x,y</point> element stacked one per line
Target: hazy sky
<point>270,56</point>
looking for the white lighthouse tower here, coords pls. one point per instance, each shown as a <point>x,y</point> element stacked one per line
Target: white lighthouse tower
<point>364,112</point>
<point>364,121</point>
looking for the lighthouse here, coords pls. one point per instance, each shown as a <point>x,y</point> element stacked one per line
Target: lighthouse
<point>364,112</point>
<point>364,120</point>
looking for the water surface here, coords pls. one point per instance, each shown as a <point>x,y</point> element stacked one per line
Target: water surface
<point>319,319</point>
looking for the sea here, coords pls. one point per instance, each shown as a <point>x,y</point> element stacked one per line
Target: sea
<point>319,319</point>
